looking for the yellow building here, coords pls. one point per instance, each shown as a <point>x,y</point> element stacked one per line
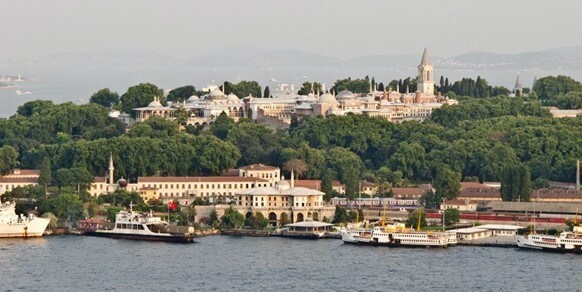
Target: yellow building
<point>148,193</point>
<point>298,203</point>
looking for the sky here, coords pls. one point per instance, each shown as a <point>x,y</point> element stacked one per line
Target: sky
<point>335,28</point>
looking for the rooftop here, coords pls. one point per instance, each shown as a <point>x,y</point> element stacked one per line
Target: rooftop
<point>191,179</point>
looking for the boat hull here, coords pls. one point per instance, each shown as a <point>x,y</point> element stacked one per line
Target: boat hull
<point>527,244</point>
<point>143,237</point>
<point>33,228</point>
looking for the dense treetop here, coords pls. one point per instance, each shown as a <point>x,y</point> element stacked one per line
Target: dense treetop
<point>477,139</point>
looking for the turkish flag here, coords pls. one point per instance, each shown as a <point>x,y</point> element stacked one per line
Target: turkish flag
<point>172,205</point>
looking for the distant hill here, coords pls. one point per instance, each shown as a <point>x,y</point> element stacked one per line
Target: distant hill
<point>248,57</point>
<point>561,58</point>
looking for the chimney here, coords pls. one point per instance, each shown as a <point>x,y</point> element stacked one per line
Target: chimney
<point>578,175</point>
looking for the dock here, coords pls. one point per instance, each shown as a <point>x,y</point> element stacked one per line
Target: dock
<point>493,241</point>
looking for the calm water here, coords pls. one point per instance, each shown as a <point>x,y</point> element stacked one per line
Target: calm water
<point>222,263</point>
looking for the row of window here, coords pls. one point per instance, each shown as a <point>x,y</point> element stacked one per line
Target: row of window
<point>129,226</point>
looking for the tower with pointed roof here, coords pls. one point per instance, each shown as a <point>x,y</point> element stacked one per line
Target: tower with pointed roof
<point>518,88</point>
<point>425,75</point>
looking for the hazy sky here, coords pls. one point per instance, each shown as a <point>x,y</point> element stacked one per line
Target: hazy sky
<point>334,28</point>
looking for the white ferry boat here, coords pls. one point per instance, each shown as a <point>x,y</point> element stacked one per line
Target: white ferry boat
<point>567,241</point>
<point>12,225</point>
<point>397,235</point>
<point>136,226</point>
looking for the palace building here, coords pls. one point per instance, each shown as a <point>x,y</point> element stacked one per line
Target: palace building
<point>278,111</point>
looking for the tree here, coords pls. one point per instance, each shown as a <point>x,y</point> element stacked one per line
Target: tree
<point>105,97</point>
<point>549,88</point>
<point>413,218</point>
<point>447,183</point>
<point>213,219</point>
<point>257,221</point>
<point>112,212</point>
<point>296,167</point>
<point>309,87</point>
<point>181,94</point>
<point>32,107</point>
<point>139,96</point>
<point>8,156</point>
<point>67,207</point>
<point>45,177</point>
<point>452,216</point>
<point>267,92</point>
<point>430,200</point>
<point>341,215</point>
<point>231,219</point>
<point>284,219</point>
<point>516,183</point>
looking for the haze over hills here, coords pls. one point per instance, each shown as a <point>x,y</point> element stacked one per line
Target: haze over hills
<point>241,57</point>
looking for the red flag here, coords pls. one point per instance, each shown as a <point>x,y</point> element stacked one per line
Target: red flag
<point>172,205</point>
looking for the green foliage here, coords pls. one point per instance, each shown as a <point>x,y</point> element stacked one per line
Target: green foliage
<point>139,96</point>
<point>355,86</point>
<point>447,183</point>
<point>213,219</point>
<point>231,219</point>
<point>155,128</point>
<point>356,215</point>
<point>431,200</point>
<point>540,183</point>
<point>452,216</point>
<point>267,92</point>
<point>257,221</point>
<point>8,158</point>
<point>112,211</point>
<point>550,88</point>
<point>284,219</point>
<point>474,109</point>
<point>45,176</point>
<point>67,207</point>
<point>105,97</point>
<point>570,100</point>
<point>516,183</point>
<point>340,215</point>
<point>181,93</point>
<point>121,198</point>
<point>242,89</point>
<point>309,87</point>
<point>413,218</point>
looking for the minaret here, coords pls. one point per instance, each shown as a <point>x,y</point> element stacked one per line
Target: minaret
<point>425,75</point>
<point>518,89</point>
<point>111,169</point>
<point>534,82</point>
<point>578,175</point>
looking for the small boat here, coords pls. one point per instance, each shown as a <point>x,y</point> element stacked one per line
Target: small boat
<point>20,92</point>
<point>12,225</point>
<point>137,226</point>
<point>567,241</point>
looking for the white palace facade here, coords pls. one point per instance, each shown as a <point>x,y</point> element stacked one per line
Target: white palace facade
<point>279,110</point>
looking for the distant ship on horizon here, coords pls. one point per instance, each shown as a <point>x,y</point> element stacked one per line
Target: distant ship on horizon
<point>20,92</point>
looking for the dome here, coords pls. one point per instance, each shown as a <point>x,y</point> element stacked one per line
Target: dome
<point>193,98</point>
<point>345,94</point>
<point>216,94</point>
<point>122,182</point>
<point>232,97</point>
<point>282,185</point>
<point>155,103</point>
<point>327,97</point>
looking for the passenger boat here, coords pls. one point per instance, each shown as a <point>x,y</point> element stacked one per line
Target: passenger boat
<point>397,235</point>
<point>12,225</point>
<point>567,241</point>
<point>137,226</point>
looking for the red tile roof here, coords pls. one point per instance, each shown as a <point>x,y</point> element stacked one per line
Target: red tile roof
<point>23,180</point>
<point>313,184</point>
<point>24,172</point>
